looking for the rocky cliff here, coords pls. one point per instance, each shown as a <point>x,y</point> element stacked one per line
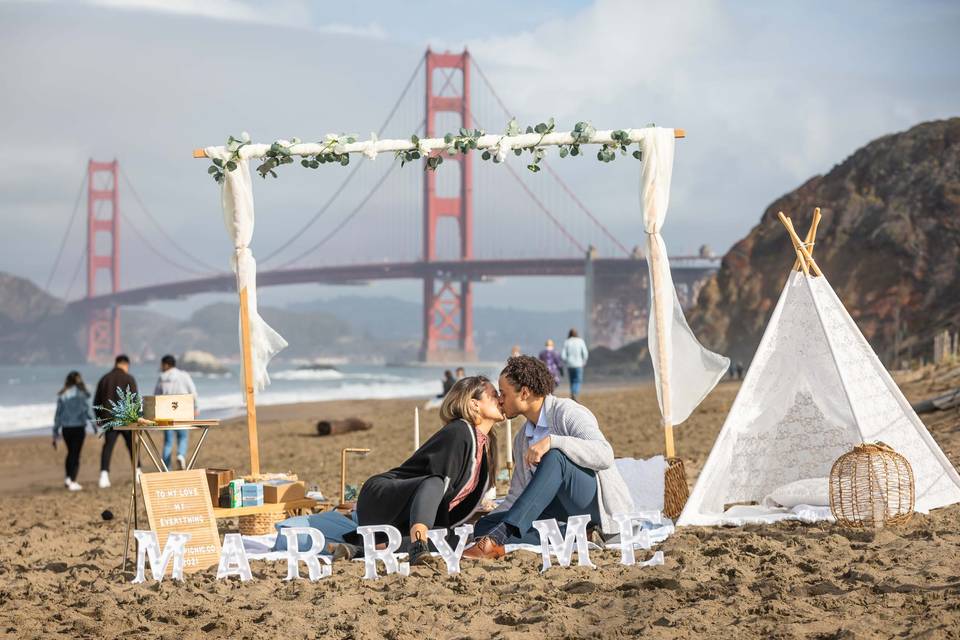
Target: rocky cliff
<point>33,326</point>
<point>889,243</point>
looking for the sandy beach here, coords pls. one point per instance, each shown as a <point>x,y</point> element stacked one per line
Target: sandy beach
<point>59,560</point>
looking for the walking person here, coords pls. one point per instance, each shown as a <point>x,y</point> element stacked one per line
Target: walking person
<point>552,359</point>
<point>73,414</point>
<point>574,354</point>
<point>174,381</point>
<point>117,378</point>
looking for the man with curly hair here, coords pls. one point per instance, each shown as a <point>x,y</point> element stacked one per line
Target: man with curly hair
<point>564,466</point>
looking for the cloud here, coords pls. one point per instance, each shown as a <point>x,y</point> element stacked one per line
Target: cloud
<point>295,14</point>
<point>769,93</point>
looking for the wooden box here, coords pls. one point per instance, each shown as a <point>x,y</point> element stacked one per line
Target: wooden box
<point>219,481</point>
<point>168,408</point>
<point>276,491</point>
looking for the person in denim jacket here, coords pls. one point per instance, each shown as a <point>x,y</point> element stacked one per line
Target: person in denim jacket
<point>74,412</point>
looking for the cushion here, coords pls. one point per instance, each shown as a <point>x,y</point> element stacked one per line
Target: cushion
<point>644,479</point>
<point>811,491</point>
<point>334,526</point>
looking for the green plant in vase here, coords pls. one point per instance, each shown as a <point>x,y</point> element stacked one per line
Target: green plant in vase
<point>126,409</point>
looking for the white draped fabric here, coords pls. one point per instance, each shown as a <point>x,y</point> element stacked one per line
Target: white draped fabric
<point>238,217</point>
<point>693,369</point>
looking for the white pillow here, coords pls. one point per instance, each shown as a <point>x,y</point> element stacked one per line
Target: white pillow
<point>812,491</point>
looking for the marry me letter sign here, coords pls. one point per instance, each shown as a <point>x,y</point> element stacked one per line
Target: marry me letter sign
<point>179,501</point>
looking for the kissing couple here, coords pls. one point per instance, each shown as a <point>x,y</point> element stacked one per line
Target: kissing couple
<point>565,468</point>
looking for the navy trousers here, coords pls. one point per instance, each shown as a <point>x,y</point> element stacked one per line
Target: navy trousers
<point>559,489</point>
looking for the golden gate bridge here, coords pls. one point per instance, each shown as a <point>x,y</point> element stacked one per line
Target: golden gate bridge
<point>381,223</point>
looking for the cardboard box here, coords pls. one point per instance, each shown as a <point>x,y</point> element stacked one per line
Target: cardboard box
<point>275,491</point>
<point>219,483</point>
<point>263,477</point>
<point>168,408</point>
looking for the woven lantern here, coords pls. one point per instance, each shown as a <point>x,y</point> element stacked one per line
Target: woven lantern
<point>675,491</point>
<point>871,487</point>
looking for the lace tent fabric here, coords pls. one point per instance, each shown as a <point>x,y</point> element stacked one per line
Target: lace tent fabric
<point>815,389</point>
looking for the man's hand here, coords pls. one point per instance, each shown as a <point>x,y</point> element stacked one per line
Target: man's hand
<point>54,444</point>
<point>536,451</point>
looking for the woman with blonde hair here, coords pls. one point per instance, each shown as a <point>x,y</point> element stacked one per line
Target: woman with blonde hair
<point>443,482</point>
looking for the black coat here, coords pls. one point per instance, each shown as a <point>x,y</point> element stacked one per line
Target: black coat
<point>449,454</point>
<point>107,390</point>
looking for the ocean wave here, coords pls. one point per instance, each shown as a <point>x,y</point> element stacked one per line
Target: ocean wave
<point>31,417</point>
<point>307,374</point>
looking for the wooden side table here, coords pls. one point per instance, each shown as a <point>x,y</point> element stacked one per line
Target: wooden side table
<point>141,433</point>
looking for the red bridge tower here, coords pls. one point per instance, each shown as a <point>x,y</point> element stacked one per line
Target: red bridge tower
<point>103,254</point>
<point>448,308</point>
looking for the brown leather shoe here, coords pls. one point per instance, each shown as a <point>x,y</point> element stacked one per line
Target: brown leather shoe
<point>486,548</point>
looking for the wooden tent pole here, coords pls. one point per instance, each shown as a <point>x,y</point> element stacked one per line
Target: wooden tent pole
<point>248,384</point>
<point>807,259</point>
<point>811,236</point>
<point>660,313</point>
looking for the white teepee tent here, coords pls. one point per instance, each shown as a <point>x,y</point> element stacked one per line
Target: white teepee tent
<point>815,389</point>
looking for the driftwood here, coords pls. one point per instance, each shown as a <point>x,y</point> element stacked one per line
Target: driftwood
<point>940,403</point>
<point>336,427</point>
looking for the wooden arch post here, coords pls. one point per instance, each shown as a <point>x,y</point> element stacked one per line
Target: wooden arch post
<point>248,391</point>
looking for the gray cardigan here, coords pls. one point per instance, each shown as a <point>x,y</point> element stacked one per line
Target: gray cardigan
<point>574,431</point>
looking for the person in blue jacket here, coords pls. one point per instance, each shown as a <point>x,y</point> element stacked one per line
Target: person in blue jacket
<point>74,412</point>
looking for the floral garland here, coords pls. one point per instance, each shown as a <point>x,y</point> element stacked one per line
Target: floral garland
<point>333,149</point>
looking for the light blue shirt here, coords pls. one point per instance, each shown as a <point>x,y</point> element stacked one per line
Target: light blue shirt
<point>537,432</point>
<point>574,352</point>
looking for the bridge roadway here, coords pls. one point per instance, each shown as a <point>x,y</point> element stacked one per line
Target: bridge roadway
<point>685,269</point>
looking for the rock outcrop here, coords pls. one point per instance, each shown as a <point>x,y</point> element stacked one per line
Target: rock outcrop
<point>889,243</point>
<point>33,326</point>
<point>198,361</point>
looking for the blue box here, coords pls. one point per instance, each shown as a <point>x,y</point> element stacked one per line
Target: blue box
<point>251,489</point>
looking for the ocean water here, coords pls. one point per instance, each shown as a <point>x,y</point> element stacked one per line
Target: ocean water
<point>28,394</point>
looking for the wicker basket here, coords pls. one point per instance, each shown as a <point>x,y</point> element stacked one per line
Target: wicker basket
<point>260,524</point>
<point>675,490</point>
<point>871,487</point>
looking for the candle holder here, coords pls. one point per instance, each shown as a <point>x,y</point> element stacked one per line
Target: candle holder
<point>343,472</point>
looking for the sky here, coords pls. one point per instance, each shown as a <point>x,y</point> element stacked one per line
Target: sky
<point>770,94</point>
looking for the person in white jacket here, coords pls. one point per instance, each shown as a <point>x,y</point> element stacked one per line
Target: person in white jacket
<point>174,381</point>
<point>565,466</point>
<point>574,355</point>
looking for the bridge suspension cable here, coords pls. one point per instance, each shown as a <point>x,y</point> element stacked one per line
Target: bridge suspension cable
<point>76,273</point>
<point>421,129</point>
<point>353,213</point>
<point>161,254</point>
<point>66,234</point>
<point>550,169</point>
<point>166,236</point>
<point>349,177</point>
